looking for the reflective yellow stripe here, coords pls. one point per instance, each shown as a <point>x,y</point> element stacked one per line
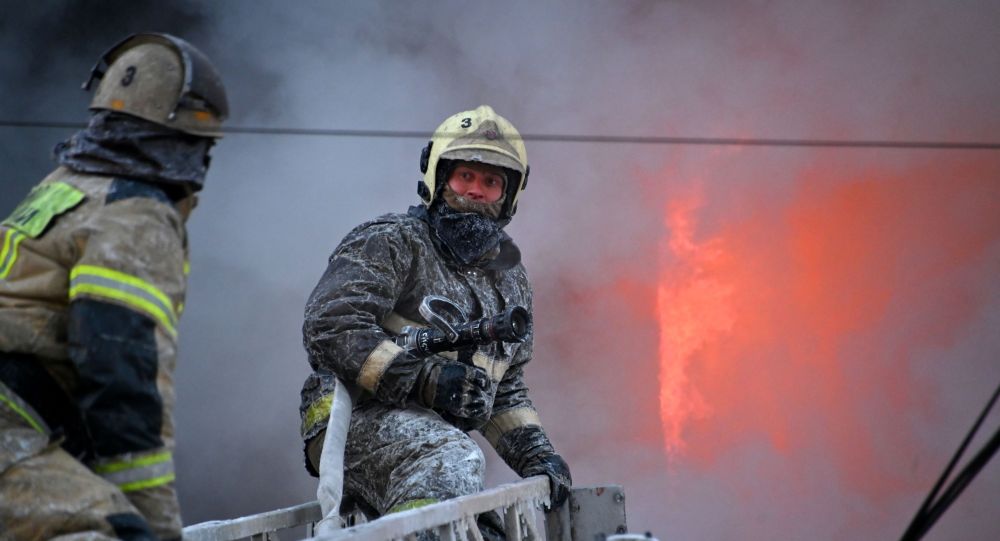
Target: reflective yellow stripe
<point>317,411</point>
<point>187,268</point>
<point>24,414</point>
<point>122,287</point>
<point>135,302</point>
<point>138,473</point>
<point>121,277</point>
<point>149,483</point>
<point>8,254</point>
<point>149,460</point>
<point>413,504</point>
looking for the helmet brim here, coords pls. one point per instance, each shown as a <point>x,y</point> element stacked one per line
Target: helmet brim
<point>481,155</point>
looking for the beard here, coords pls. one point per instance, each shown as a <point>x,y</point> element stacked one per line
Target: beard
<point>464,204</point>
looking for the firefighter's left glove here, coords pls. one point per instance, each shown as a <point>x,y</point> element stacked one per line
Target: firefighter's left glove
<point>560,480</point>
<point>456,390</point>
<point>528,452</point>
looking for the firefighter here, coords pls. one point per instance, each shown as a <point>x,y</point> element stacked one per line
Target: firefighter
<point>407,445</point>
<point>93,270</point>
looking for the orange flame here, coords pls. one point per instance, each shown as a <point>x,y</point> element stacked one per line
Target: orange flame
<point>693,307</point>
<point>798,323</point>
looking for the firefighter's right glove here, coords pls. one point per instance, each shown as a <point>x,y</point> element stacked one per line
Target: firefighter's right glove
<point>457,390</point>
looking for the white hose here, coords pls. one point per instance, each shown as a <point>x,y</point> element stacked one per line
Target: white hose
<point>331,463</point>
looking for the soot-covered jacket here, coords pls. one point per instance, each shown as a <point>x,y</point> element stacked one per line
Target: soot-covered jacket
<point>373,286</point>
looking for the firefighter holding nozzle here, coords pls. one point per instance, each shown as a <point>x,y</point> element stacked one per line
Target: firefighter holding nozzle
<point>449,258</point>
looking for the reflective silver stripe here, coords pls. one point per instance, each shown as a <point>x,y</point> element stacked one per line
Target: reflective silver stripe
<point>137,472</point>
<point>376,363</point>
<point>508,420</point>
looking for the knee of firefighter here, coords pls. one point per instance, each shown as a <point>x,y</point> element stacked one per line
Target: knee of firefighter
<point>466,452</point>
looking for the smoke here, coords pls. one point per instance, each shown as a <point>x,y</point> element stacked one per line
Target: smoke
<point>854,331</point>
<point>47,49</point>
<point>57,42</point>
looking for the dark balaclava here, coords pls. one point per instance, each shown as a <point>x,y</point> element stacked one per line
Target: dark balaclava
<point>123,145</point>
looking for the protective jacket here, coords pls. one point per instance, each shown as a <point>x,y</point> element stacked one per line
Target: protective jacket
<point>373,286</point>
<point>92,281</point>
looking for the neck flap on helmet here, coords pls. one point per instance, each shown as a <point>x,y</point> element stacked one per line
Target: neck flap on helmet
<point>127,146</point>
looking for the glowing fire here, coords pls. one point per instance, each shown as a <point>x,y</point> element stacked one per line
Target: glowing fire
<point>797,323</point>
<point>693,308</point>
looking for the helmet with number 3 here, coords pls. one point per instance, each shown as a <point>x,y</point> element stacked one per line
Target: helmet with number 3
<point>479,135</point>
<point>163,79</point>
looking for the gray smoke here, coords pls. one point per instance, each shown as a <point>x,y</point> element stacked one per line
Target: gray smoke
<point>589,224</point>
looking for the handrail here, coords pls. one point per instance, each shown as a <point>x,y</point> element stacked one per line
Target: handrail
<point>593,512</point>
<point>261,524</point>
<point>520,505</point>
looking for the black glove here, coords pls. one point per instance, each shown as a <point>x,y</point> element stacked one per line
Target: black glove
<point>560,480</point>
<point>528,452</point>
<point>455,390</point>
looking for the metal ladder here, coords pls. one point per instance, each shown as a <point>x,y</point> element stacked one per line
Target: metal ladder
<point>591,514</point>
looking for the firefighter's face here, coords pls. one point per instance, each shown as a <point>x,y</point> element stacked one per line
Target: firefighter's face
<point>479,182</point>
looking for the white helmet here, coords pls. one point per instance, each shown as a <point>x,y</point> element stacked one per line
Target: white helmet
<point>479,135</point>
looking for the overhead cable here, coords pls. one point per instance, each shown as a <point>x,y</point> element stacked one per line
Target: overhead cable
<point>937,502</point>
<point>576,138</point>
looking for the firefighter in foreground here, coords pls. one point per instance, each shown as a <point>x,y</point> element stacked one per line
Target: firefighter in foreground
<point>93,268</point>
<point>407,444</point>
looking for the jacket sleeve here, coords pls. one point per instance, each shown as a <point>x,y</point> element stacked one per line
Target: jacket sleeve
<point>512,392</point>
<point>512,407</point>
<point>342,332</point>
<point>126,289</point>
<point>515,429</point>
<point>516,432</point>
